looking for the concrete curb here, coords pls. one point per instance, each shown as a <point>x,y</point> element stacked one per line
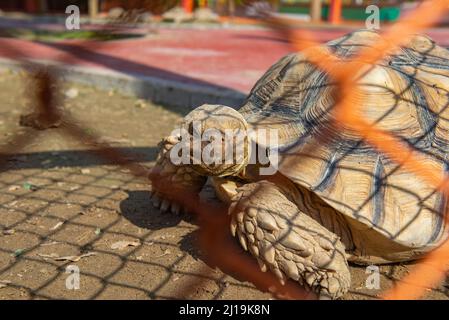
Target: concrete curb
<point>34,21</point>
<point>160,91</point>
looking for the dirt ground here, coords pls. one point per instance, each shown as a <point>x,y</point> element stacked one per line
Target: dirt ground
<point>61,206</point>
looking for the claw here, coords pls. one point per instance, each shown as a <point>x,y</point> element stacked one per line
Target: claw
<point>175,208</point>
<point>262,265</point>
<point>280,276</point>
<point>310,279</point>
<point>164,205</point>
<point>242,240</point>
<point>232,208</point>
<point>233,227</point>
<point>156,201</point>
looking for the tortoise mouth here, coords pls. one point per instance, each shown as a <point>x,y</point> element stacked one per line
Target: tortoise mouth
<point>220,153</point>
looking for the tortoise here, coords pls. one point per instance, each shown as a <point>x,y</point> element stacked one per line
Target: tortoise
<point>334,198</point>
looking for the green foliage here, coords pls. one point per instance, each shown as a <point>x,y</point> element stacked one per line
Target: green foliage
<point>49,36</point>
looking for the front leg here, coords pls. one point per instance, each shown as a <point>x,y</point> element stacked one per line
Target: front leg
<point>287,241</point>
<point>183,177</point>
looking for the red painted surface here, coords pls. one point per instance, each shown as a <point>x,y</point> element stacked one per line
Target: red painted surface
<point>227,58</point>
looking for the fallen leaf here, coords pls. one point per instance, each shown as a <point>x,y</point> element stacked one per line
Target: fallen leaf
<point>12,204</point>
<point>8,232</point>
<point>54,256</point>
<point>97,231</point>
<point>120,245</point>
<point>85,171</point>
<point>58,225</point>
<point>48,256</point>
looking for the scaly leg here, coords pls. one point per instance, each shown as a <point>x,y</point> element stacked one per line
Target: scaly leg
<point>288,242</point>
<point>182,176</point>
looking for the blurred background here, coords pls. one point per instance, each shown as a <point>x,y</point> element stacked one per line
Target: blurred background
<point>332,11</point>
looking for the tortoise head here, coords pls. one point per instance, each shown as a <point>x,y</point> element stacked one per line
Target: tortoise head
<point>218,137</point>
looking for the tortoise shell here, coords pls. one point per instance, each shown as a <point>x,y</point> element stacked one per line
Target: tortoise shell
<point>406,94</point>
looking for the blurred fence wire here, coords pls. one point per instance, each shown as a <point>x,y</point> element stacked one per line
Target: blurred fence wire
<point>213,239</point>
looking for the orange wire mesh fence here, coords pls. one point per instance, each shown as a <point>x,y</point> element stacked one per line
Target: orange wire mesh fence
<point>213,239</point>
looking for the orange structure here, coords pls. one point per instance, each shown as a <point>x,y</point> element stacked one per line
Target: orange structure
<point>335,11</point>
<point>187,5</point>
